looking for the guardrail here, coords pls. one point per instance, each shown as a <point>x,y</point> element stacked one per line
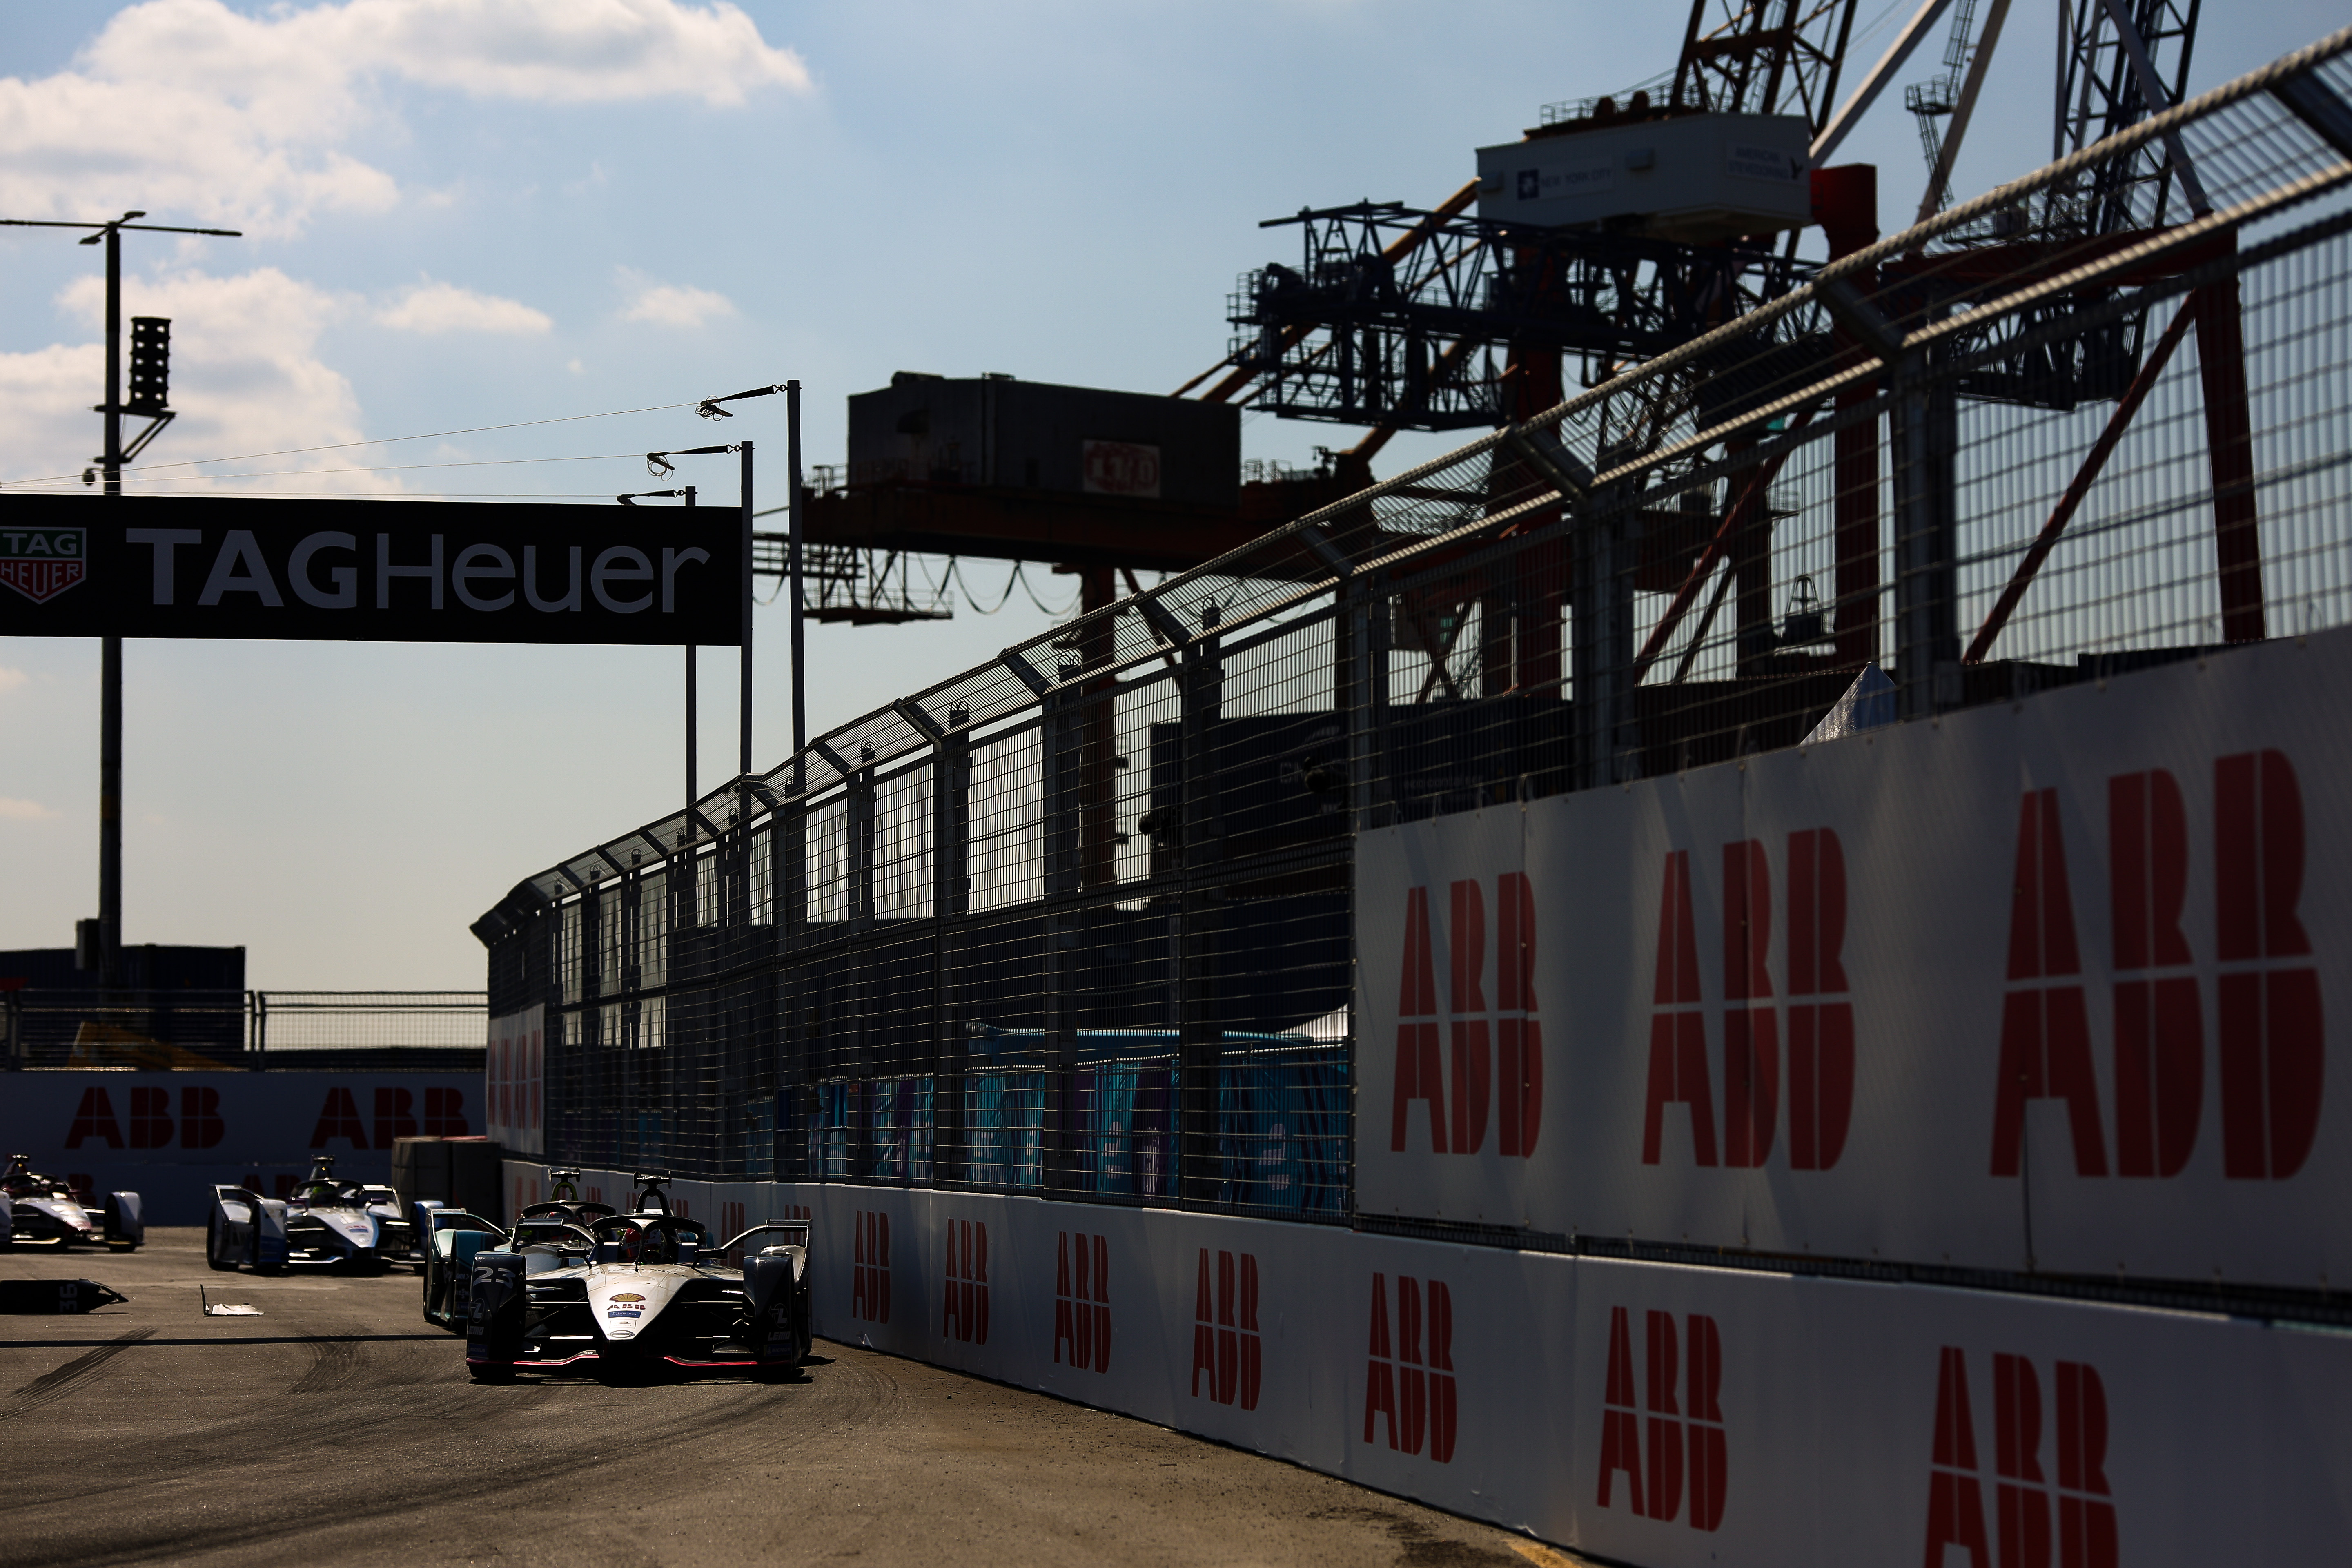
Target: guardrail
<point>208,1028</point>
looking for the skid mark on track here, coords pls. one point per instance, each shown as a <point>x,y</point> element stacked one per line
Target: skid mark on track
<point>56,1385</point>
<point>332,1364</point>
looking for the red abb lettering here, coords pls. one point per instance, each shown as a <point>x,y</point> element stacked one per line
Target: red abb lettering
<point>2085,1534</point>
<point>1416,1396</point>
<point>1821,1027</point>
<point>1518,1045</point>
<point>338,1118</point>
<point>1473,1059</point>
<point>395,1115</point>
<point>201,1126</point>
<point>2271,1041</point>
<point>1685,1448</point>
<point>1418,1075</point>
<point>94,1118</point>
<point>151,1117</point>
<point>1678,1028</point>
<point>2045,1030</point>
<point>869,1274</point>
<point>1496,1054</point>
<point>1751,1039</point>
<point>445,1113</point>
<point>1225,1346</point>
<point>1820,1058</point>
<point>1082,1299</point>
<point>2271,1044</point>
<point>2159,1056</point>
<point>966,1277</point>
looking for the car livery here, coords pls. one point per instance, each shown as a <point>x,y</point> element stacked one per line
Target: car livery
<point>325,1224</point>
<point>648,1288</point>
<point>42,1211</point>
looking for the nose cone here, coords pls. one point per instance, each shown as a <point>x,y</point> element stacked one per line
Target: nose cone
<point>624,1302</point>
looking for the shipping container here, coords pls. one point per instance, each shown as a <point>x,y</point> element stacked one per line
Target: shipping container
<point>995,430</point>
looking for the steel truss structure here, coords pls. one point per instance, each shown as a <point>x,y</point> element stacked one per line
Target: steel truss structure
<point>1080,920</point>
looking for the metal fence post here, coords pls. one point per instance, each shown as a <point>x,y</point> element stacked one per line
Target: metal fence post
<point>1925,425</point>
<point>951,899</point>
<point>1200,1040</point>
<point>1063,747</point>
<point>1601,608</point>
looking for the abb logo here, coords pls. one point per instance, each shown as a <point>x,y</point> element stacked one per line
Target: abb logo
<point>1820,1014</point>
<point>1497,1054</point>
<point>966,1277</point>
<point>1684,1431</point>
<point>1225,1330</point>
<point>870,1276</point>
<point>2271,1041</point>
<point>445,1117</point>
<point>1082,1299</point>
<point>201,1125</point>
<point>730,1220</point>
<point>1417,1399</point>
<point>2084,1518</point>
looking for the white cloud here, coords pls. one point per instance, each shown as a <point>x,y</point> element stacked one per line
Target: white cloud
<point>22,810</point>
<point>12,678</point>
<point>188,107</point>
<point>434,307</point>
<point>246,377</point>
<point>672,304</point>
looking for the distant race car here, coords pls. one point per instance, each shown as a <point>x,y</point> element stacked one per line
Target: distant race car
<point>456,1236</point>
<point>352,1225</point>
<point>646,1288</point>
<point>42,1211</point>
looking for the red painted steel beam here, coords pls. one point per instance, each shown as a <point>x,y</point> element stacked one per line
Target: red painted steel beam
<point>2230,445</point>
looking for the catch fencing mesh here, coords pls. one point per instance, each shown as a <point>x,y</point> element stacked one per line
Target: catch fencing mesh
<point>1079,920</point>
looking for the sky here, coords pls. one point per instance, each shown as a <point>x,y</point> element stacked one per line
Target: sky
<point>464,215</point>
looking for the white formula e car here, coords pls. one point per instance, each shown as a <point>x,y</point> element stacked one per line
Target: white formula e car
<point>636,1291</point>
<point>560,1224</point>
<point>325,1222</point>
<point>41,1211</point>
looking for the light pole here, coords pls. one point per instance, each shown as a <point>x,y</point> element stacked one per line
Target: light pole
<point>659,464</point>
<point>654,462</point>
<point>110,701</point>
<point>693,728</point>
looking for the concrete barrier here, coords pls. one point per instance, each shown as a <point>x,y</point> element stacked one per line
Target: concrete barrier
<point>1652,1413</point>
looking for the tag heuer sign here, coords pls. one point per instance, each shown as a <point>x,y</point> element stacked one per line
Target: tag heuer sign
<point>42,562</point>
<point>371,571</point>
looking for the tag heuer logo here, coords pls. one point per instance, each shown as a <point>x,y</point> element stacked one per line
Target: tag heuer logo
<point>42,562</point>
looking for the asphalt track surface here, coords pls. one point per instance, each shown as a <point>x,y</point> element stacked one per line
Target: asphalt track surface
<point>339,1427</point>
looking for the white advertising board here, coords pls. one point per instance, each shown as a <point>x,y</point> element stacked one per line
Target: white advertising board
<point>170,1136</point>
<point>2044,986</point>
<point>1649,1413</point>
<point>514,1073</point>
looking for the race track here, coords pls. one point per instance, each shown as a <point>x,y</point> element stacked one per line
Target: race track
<point>341,1427</point>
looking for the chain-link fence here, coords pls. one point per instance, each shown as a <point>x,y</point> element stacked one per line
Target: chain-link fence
<point>1079,919</point>
<point>161,1030</point>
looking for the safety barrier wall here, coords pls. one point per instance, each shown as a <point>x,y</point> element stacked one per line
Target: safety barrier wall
<point>1649,1414</point>
<point>170,1136</point>
<point>2043,987</point>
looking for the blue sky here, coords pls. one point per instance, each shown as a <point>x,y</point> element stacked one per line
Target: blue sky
<point>468,212</point>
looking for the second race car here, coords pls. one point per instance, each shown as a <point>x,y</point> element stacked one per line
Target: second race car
<point>649,1288</point>
<point>42,1211</point>
<point>325,1222</point>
